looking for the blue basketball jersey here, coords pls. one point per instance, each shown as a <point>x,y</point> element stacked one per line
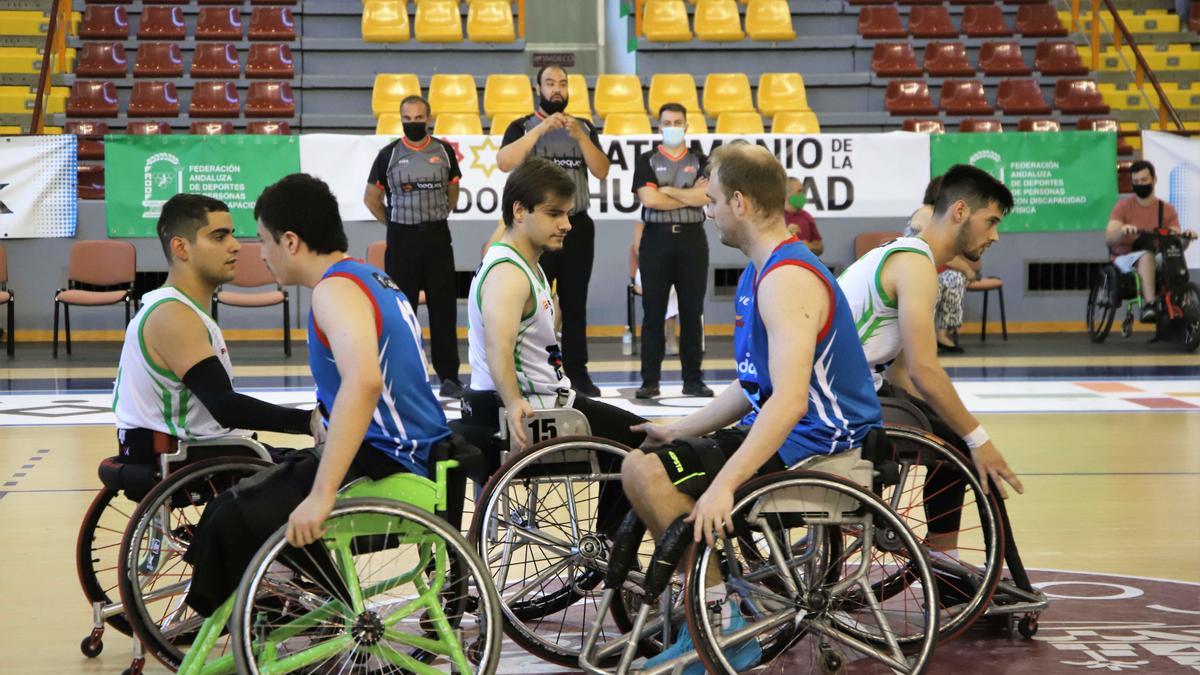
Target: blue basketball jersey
<point>842,405</point>
<point>408,420</point>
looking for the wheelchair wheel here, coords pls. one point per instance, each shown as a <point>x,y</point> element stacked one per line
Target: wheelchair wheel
<point>1190,304</point>
<point>386,592</point>
<point>543,526</point>
<point>153,575</point>
<point>800,580</point>
<point>1102,303</point>
<point>97,549</point>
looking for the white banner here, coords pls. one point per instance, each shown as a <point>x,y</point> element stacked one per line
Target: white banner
<point>1176,161</point>
<point>845,175</point>
<point>38,186</point>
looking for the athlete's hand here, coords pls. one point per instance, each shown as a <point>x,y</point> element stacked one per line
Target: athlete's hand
<point>992,469</point>
<point>316,426</point>
<point>713,511</point>
<point>516,416</point>
<point>657,435</point>
<point>307,521</point>
<point>1188,234</point>
<point>1128,231</point>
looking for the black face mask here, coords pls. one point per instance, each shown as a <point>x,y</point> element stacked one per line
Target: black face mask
<point>551,107</point>
<point>416,131</point>
<point>1143,191</point>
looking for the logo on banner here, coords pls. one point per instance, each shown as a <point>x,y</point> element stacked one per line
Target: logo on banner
<point>163,179</point>
<point>483,156</point>
<point>989,161</point>
<point>4,210</point>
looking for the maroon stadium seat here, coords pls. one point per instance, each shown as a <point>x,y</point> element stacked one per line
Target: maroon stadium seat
<point>894,59</point>
<point>1106,124</point>
<point>270,60</point>
<point>1124,176</point>
<point>270,99</point>
<point>1039,21</point>
<point>216,59</point>
<point>1002,58</point>
<point>1021,97</point>
<point>931,22</point>
<point>153,99</point>
<point>880,22</point>
<point>102,59</point>
<point>970,2</point>
<point>1079,97</point>
<point>909,97</point>
<point>104,23</point>
<point>920,2</point>
<point>974,126</point>
<point>162,23</point>
<point>985,21</point>
<point>93,98</point>
<point>268,128</point>
<point>965,97</point>
<point>219,23</point>
<point>91,181</point>
<point>211,128</point>
<point>146,128</point>
<point>1194,17</point>
<point>924,126</point>
<point>1058,57</point>
<point>89,137</point>
<point>219,2</point>
<point>214,99</point>
<point>159,59</point>
<point>947,59</point>
<point>1032,124</point>
<point>272,23</point>
<point>272,2</point>
<point>872,2</point>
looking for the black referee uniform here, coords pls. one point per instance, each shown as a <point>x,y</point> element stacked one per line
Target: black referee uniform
<point>673,252</point>
<point>419,252</point>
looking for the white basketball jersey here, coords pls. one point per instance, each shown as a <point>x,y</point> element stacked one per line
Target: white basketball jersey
<point>148,396</point>
<point>875,314</point>
<point>537,355</point>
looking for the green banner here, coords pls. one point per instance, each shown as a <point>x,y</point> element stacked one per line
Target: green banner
<point>143,172</point>
<point>1060,181</point>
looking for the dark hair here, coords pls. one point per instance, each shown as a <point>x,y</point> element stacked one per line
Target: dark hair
<point>974,186</point>
<point>305,205</point>
<point>672,107</point>
<point>753,171</point>
<point>413,98</point>
<point>183,215</point>
<point>1141,165</point>
<point>541,71</point>
<point>534,181</point>
<point>931,191</point>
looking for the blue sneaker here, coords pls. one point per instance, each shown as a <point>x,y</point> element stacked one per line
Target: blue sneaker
<point>741,657</point>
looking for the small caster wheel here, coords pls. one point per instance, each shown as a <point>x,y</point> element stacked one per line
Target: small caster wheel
<point>475,651</point>
<point>831,663</point>
<point>91,646</point>
<point>135,668</point>
<point>1028,626</point>
<point>472,605</point>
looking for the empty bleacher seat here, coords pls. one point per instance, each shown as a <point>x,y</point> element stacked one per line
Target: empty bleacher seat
<point>1078,97</point>
<point>727,92</point>
<point>270,60</point>
<point>89,137</point>
<point>579,102</point>
<point>965,97</point>
<point>272,23</point>
<point>385,21</point>
<point>880,22</point>
<point>1002,58</point>
<point>1021,97</point>
<point>104,23</point>
<point>457,123</point>
<point>618,93</point>
<point>162,23</point>
<point>453,94</point>
<point>1039,21</point>
<point>438,21</point>
<point>218,2</point>
<point>270,99</point>
<point>673,88</point>
<point>147,128</point>
<point>91,181</point>
<point>931,21</point>
<point>796,122</point>
<point>920,2</point>
<point>717,21</point>
<point>158,59</point>
<point>102,59</point>
<point>1040,125</point>
<point>499,123</point>
<point>735,122</point>
<point>781,92</point>
<point>507,94</point>
<point>153,99</point>
<point>215,60</point>
<point>264,128</point>
<point>211,128</point>
<point>214,99</point>
<point>977,126</point>
<point>947,59</point>
<point>389,124</point>
<point>984,21</point>
<point>895,59</point>
<point>924,126</point>
<point>390,89</point>
<point>272,2</point>
<point>1106,124</point>
<point>93,98</point>
<point>490,21</point>
<point>696,123</point>
<point>219,23</point>
<point>627,124</point>
<point>1058,57</point>
<point>909,97</point>
<point>666,21</point>
<point>769,21</point>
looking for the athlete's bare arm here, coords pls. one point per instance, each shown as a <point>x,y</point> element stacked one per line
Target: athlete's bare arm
<point>504,299</point>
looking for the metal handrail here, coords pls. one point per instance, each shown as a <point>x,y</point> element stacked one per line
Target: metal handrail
<point>49,54</point>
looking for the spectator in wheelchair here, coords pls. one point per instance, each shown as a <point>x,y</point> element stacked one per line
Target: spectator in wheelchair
<point>1131,217</point>
<point>364,346</point>
<point>175,379</point>
<point>803,387</point>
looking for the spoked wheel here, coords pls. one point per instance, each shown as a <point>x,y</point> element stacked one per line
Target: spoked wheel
<point>1190,304</point>
<point>1102,303</point>
<point>97,549</point>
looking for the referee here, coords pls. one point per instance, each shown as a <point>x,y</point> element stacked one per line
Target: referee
<point>571,143</point>
<point>670,184</point>
<point>412,187</point>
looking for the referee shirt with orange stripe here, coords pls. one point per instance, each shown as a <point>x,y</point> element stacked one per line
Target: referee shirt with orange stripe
<point>661,168</point>
<point>415,177</point>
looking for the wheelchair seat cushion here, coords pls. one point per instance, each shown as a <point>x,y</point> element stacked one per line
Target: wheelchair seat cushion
<point>132,478</point>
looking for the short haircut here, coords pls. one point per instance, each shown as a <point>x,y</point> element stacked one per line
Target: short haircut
<point>183,215</point>
<point>413,98</point>
<point>753,171</point>
<point>533,182</point>
<point>542,71</point>
<point>672,107</point>
<point>974,186</point>
<point>305,205</point>
<point>931,191</point>
<point>1141,165</point>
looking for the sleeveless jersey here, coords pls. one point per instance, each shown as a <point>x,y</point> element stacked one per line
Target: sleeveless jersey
<point>537,355</point>
<point>148,395</point>
<point>875,314</point>
<point>408,420</point>
<point>842,405</point>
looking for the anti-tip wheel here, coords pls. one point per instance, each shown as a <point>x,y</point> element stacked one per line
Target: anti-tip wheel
<point>1028,626</point>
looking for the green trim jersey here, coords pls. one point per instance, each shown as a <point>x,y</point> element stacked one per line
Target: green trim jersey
<point>537,355</point>
<point>147,395</point>
<point>875,314</point>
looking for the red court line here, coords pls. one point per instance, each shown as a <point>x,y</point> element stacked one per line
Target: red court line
<point>1162,403</point>
<point>1107,387</point>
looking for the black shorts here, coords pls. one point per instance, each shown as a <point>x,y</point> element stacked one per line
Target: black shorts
<point>692,464</point>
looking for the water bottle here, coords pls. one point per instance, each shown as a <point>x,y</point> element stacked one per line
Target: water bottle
<point>627,342</point>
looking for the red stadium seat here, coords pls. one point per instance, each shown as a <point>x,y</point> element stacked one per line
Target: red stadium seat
<point>974,126</point>
<point>91,181</point>
<point>985,21</point>
<point>270,99</point>
<point>159,59</point>
<point>162,23</point>
<point>272,23</point>
<point>145,128</point>
<point>871,2</point>
<point>1021,97</point>
<point>1105,124</point>
<point>965,97</point>
<point>104,23</point>
<point>219,2</point>
<point>894,59</point>
<point>1041,125</point>
<point>1039,21</point>
<point>153,99</point>
<point>214,99</point>
<point>880,22</point>
<point>102,59</point>
<point>947,59</point>
<point>211,128</point>
<point>1124,176</point>
<point>1002,58</point>
<point>920,2</point>
<point>909,97</point>
<point>219,23</point>
<point>931,22</point>
<point>93,98</point>
<point>971,2</point>
<point>1059,57</point>
<point>268,128</point>
<point>924,126</point>
<point>1079,97</point>
<point>270,60</point>
<point>272,2</point>
<point>1194,17</point>
<point>89,137</point>
<point>215,59</point>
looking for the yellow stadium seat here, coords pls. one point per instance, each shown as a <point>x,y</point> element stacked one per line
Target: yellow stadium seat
<point>1160,57</point>
<point>739,123</point>
<point>490,21</point>
<point>727,92</point>
<point>385,21</point>
<point>453,94</point>
<point>769,21</point>
<point>780,92</point>
<point>795,122</point>
<point>11,131</point>
<point>501,122</point>
<point>578,102</point>
<point>626,124</point>
<point>390,89</point>
<point>28,60</point>
<point>458,124</point>
<point>673,88</point>
<point>696,124</point>
<point>1153,21</point>
<point>666,21</point>
<point>24,23</point>
<point>718,21</point>
<point>438,21</point>
<point>618,94</point>
<point>19,100</point>
<point>507,94</point>
<point>389,124</point>
<point>1135,142</point>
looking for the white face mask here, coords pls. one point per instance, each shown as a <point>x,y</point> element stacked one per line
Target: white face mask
<point>672,136</point>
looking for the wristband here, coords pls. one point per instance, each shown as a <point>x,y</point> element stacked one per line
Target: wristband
<point>977,438</point>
